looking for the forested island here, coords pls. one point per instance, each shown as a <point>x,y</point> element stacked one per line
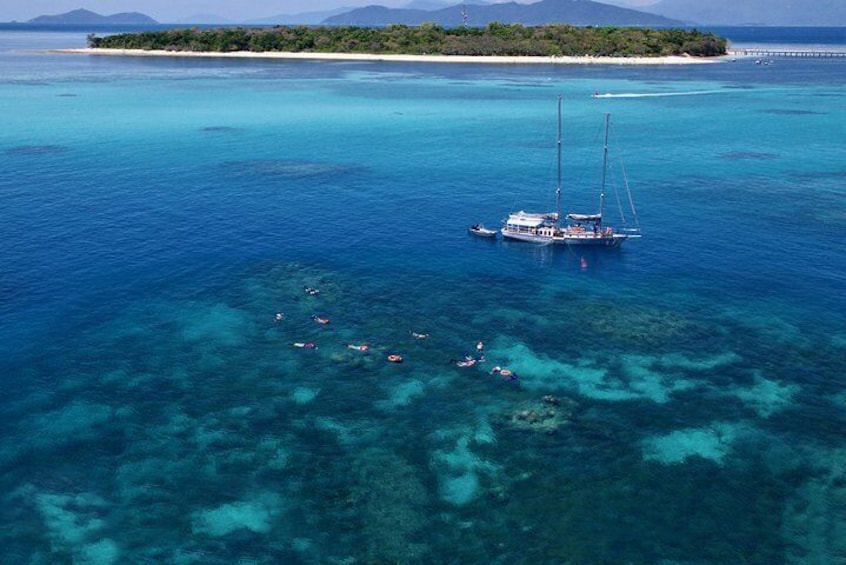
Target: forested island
<point>495,39</point>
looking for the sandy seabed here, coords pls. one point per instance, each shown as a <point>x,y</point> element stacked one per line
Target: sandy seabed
<point>499,60</point>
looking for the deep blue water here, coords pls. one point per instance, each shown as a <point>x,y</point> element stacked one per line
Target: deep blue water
<point>768,35</point>
<point>680,400</point>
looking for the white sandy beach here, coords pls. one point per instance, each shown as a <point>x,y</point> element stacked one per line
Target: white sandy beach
<point>586,60</point>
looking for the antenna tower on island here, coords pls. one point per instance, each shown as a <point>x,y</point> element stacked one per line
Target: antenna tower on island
<point>464,13</point>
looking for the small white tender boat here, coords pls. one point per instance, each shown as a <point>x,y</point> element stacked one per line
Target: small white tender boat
<point>481,231</point>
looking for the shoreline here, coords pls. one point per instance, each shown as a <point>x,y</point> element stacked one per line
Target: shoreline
<point>461,59</point>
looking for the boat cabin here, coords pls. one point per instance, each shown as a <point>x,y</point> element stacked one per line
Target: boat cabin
<point>531,224</point>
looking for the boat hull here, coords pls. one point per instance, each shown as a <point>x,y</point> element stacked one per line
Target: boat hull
<point>615,240</point>
<point>582,240</point>
<point>530,238</point>
<point>483,232</point>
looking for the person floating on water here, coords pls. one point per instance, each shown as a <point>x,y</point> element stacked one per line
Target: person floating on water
<point>395,358</point>
<point>469,361</point>
<point>418,335</point>
<point>480,346</point>
<point>362,347</point>
<point>279,316</point>
<point>319,319</point>
<point>305,345</point>
<point>506,374</point>
<point>311,291</point>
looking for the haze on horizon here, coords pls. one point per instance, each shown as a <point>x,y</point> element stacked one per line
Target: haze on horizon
<point>176,11</point>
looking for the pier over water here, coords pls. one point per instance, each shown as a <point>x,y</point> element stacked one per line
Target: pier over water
<point>809,53</point>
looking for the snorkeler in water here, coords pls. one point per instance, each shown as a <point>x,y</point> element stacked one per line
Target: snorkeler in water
<point>320,319</point>
<point>469,361</point>
<point>506,374</point>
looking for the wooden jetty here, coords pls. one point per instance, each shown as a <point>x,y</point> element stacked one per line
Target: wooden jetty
<point>810,53</point>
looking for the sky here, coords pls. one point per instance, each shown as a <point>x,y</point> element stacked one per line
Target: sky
<point>170,11</point>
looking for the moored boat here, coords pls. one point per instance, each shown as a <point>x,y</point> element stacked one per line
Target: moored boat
<point>578,228</point>
<point>481,231</point>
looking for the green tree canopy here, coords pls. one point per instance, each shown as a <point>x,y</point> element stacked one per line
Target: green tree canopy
<point>494,39</point>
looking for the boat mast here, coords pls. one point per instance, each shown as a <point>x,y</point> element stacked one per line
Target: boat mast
<point>604,167</point>
<point>558,181</point>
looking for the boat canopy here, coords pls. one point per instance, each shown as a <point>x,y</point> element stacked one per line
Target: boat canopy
<point>526,221</point>
<point>543,215</point>
<point>585,217</point>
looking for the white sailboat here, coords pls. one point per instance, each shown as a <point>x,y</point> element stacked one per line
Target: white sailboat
<point>578,228</point>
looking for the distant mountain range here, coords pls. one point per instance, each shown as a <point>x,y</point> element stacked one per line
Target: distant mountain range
<point>755,12</point>
<point>304,18</point>
<point>85,17</point>
<point>575,12</point>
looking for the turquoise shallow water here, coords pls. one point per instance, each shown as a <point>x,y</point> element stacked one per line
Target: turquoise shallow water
<point>680,400</point>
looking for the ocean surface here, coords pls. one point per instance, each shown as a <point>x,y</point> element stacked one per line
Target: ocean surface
<point>679,400</point>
